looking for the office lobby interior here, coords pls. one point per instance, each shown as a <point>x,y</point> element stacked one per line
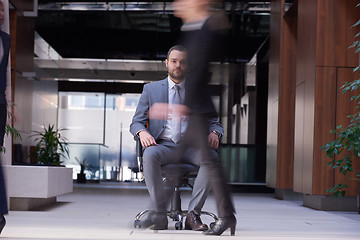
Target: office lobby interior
<point>80,67</point>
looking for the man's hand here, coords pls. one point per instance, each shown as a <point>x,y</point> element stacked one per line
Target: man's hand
<point>213,140</point>
<point>146,139</point>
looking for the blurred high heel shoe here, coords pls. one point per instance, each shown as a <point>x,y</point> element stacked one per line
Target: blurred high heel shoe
<point>222,225</point>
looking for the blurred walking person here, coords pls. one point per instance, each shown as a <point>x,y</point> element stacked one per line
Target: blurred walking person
<point>4,57</point>
<point>201,37</point>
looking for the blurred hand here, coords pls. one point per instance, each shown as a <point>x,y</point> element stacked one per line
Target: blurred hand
<point>161,110</point>
<point>146,139</point>
<point>179,110</point>
<point>158,111</point>
<point>213,140</point>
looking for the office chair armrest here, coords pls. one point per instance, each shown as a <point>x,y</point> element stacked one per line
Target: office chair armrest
<point>139,153</point>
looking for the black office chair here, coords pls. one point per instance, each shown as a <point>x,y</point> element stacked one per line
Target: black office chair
<point>178,174</point>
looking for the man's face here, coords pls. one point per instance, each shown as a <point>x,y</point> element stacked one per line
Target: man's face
<point>2,14</point>
<point>176,65</point>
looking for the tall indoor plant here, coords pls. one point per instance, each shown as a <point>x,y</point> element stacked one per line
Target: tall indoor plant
<point>347,142</point>
<point>50,146</point>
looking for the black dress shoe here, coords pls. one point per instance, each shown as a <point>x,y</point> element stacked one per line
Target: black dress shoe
<point>222,225</point>
<point>2,222</point>
<point>193,222</point>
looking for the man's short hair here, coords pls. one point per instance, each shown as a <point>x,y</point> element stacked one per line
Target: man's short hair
<point>178,48</point>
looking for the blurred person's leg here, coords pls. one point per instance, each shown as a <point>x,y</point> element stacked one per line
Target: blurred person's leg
<point>3,198</point>
<point>3,116</point>
<point>196,136</point>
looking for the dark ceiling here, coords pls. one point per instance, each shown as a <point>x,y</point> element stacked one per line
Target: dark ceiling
<point>140,34</point>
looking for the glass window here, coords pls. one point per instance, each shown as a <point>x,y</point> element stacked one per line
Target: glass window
<point>82,115</point>
<point>98,131</point>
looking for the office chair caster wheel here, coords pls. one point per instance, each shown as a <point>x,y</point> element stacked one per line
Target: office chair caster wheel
<point>137,224</point>
<point>178,225</point>
<point>212,225</point>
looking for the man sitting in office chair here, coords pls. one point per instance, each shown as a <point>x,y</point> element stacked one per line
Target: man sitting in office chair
<point>160,138</point>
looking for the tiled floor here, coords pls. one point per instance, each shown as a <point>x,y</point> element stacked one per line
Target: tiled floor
<point>106,211</point>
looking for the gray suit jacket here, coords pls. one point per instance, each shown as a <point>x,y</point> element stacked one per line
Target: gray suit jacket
<point>157,92</point>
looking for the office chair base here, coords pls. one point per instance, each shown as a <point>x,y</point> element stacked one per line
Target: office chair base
<point>175,215</point>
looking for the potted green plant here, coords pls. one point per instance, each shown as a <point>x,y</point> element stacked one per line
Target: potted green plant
<point>46,182</point>
<point>82,162</point>
<point>40,184</point>
<point>50,145</point>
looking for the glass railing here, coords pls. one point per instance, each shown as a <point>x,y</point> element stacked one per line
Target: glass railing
<point>242,164</point>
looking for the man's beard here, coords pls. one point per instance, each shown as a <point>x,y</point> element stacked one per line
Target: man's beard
<point>177,77</point>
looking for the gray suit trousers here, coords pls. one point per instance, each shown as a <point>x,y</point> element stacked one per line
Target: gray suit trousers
<point>156,156</point>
